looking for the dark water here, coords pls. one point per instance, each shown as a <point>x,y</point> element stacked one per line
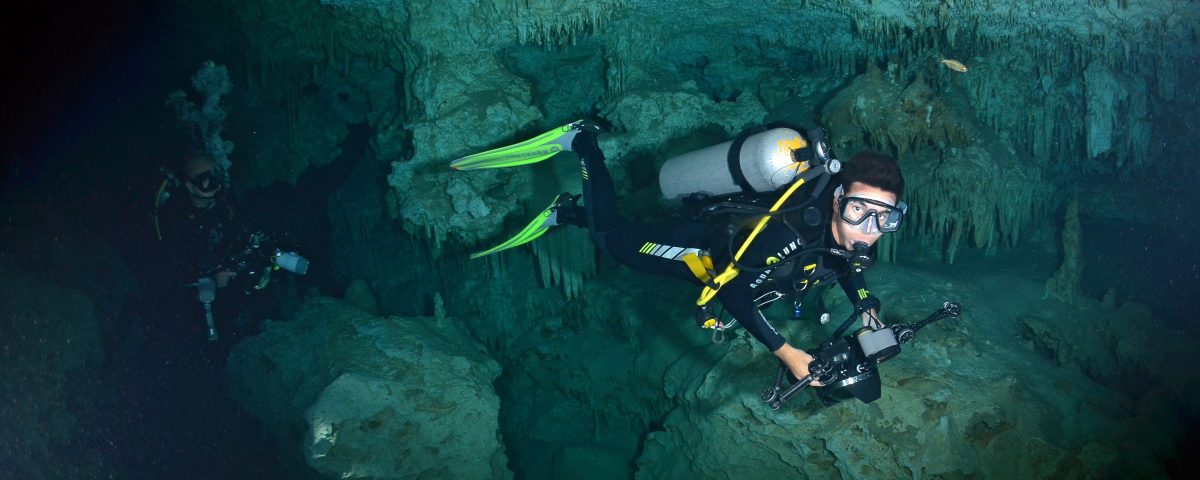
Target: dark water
<point>83,141</point>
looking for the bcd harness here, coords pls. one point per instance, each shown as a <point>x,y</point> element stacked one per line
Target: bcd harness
<point>813,163</point>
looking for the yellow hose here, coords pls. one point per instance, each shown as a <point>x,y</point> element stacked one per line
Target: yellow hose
<point>731,271</point>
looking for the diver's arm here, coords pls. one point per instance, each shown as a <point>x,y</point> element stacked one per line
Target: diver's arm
<point>855,286</point>
<point>797,361</point>
<point>870,318</point>
<point>737,298</point>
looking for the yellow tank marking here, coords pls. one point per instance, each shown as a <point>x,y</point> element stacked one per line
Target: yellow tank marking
<point>788,145</point>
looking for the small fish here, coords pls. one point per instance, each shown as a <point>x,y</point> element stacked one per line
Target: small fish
<point>954,65</point>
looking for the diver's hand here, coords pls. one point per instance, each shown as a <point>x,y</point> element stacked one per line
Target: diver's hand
<point>223,277</point>
<point>870,318</point>
<point>797,361</point>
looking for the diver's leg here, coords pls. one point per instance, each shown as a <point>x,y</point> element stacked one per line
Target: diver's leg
<point>655,249</point>
<point>599,195</point>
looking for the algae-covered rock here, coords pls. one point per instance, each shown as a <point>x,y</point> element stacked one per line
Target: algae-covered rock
<point>373,397</point>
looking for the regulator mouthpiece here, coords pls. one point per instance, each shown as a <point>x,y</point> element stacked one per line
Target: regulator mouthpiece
<point>861,259</point>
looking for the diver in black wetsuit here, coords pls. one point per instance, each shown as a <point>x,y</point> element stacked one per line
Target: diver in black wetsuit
<point>205,246</point>
<point>852,212</point>
<point>197,234</point>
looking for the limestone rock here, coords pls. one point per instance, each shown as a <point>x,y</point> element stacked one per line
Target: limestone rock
<point>1064,285</point>
<point>373,397</point>
<point>888,116</point>
<point>654,117</point>
<point>360,295</point>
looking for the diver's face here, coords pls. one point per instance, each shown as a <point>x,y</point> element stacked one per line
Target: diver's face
<point>202,182</point>
<point>847,234</point>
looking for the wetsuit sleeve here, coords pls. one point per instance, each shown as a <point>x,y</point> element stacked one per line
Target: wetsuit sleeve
<point>739,294</point>
<point>739,302</point>
<point>855,286</point>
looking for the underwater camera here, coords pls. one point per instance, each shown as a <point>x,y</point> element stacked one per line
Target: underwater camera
<point>846,365</point>
<point>261,255</point>
<point>252,263</point>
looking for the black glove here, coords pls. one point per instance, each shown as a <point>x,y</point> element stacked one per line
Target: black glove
<point>869,303</point>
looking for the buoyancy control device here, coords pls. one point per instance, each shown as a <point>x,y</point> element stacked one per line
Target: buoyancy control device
<point>774,159</point>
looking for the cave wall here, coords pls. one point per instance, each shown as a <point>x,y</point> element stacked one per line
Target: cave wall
<point>1058,98</point>
<point>1055,92</point>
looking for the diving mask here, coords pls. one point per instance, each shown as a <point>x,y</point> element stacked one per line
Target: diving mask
<point>206,182</point>
<point>872,215</point>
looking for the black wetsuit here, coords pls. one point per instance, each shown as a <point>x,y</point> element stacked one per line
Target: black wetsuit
<point>658,249</point>
<point>199,242</point>
<point>194,241</point>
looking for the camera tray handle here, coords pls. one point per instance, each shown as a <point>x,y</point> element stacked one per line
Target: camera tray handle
<point>817,370</point>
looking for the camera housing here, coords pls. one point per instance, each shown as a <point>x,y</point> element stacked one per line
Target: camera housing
<point>853,373</point>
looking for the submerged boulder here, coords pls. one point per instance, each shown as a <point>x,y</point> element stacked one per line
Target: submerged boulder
<point>374,397</point>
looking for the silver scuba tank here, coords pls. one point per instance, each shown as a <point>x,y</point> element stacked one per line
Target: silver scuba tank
<point>764,161</point>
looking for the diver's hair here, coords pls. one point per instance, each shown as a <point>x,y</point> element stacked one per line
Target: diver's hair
<point>874,169</point>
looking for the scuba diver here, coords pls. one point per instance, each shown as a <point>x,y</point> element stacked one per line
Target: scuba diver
<point>196,231</point>
<point>206,246</point>
<point>821,227</point>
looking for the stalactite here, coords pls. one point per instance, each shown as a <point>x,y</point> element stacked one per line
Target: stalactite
<point>565,258</point>
<point>555,25</point>
<point>972,195</point>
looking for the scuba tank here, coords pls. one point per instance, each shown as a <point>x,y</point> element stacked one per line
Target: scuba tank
<point>758,160</point>
<point>774,161</point>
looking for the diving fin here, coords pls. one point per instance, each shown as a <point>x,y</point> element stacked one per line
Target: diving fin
<point>534,150</point>
<point>538,226</point>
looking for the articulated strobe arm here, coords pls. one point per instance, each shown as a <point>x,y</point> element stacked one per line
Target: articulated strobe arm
<point>904,332</point>
<point>817,371</point>
<point>849,362</point>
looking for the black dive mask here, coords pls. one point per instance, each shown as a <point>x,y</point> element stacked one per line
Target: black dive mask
<point>206,182</point>
<point>856,210</point>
